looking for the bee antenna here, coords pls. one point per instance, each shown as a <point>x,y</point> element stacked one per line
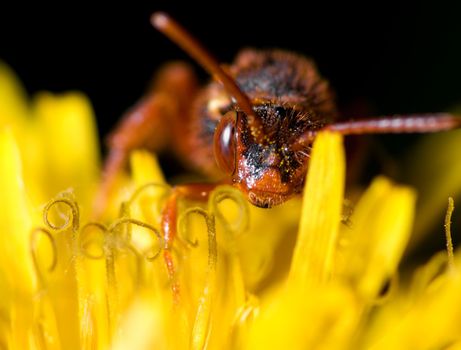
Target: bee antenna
<point>188,43</point>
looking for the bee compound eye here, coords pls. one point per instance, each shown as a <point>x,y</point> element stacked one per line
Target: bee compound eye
<point>225,143</point>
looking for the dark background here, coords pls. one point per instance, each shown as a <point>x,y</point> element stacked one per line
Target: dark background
<point>398,58</point>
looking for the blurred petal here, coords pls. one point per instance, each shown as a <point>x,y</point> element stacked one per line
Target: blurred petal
<point>150,187</point>
<point>15,221</point>
<point>381,227</point>
<point>430,319</point>
<point>265,250</point>
<point>17,280</point>
<point>144,326</point>
<point>70,158</point>
<point>13,101</point>
<point>290,318</point>
<point>145,168</point>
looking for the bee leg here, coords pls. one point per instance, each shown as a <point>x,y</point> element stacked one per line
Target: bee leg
<point>195,192</point>
<point>151,123</point>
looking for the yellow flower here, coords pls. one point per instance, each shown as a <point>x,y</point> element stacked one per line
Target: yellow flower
<point>295,276</point>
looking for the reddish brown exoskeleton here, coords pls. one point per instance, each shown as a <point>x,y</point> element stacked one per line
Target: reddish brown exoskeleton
<point>253,126</point>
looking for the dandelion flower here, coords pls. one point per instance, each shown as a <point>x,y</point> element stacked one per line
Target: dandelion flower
<point>292,277</point>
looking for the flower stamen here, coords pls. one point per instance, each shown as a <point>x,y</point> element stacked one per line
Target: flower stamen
<point>228,192</point>
<point>450,209</point>
<point>85,243</point>
<point>34,248</point>
<point>71,219</point>
<point>201,328</point>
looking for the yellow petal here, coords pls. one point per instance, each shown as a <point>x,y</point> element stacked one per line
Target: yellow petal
<point>13,102</point>
<point>15,220</point>
<point>321,211</point>
<point>265,250</point>
<point>430,320</point>
<point>70,148</point>
<point>144,326</point>
<point>381,227</point>
<point>17,278</point>
<point>291,318</point>
<point>149,187</point>
<point>203,317</point>
<point>145,168</point>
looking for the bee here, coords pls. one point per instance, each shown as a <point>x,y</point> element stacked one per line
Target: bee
<point>253,126</point>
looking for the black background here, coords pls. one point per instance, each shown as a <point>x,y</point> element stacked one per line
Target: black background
<point>398,58</point>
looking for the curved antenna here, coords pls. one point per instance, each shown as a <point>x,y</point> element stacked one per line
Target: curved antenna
<point>188,43</point>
